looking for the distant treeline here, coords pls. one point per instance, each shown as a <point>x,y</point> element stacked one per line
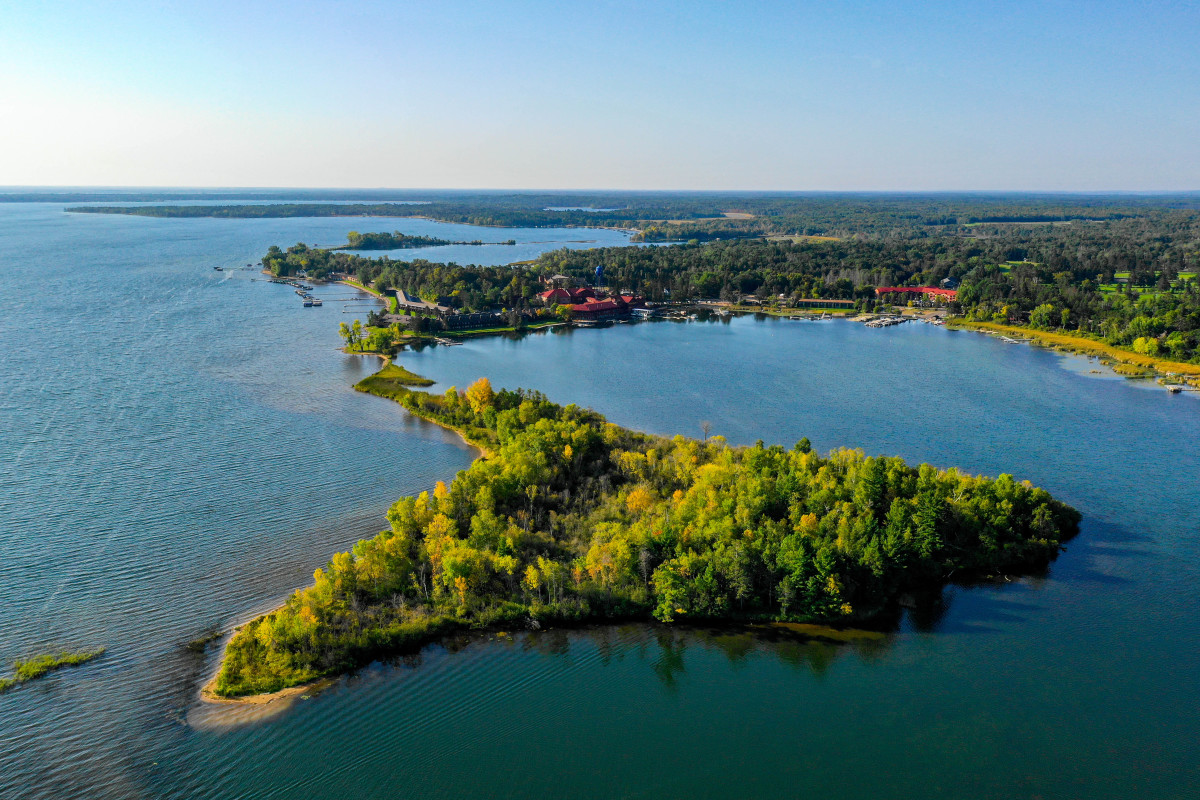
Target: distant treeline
<point>1131,281</point>
<point>702,216</point>
<point>571,518</point>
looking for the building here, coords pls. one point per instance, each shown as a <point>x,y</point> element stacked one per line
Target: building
<point>935,293</point>
<point>821,302</point>
<point>949,283</point>
<point>565,297</point>
<point>632,300</point>
<point>407,302</point>
<point>480,319</point>
<point>598,311</point>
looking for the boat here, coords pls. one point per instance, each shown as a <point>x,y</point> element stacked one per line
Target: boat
<point>1174,389</point>
<point>308,303</point>
<point>218,269</point>
<point>316,302</point>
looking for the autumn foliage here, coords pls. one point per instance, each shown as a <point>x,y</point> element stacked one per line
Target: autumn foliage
<point>572,518</point>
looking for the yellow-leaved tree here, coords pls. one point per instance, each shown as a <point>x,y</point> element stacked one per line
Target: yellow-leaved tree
<point>480,395</point>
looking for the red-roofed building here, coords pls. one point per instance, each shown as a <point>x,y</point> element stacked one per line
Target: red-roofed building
<point>556,297</point>
<point>597,310</point>
<point>928,292</point>
<point>562,297</point>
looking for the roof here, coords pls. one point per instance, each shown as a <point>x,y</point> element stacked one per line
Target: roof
<point>597,305</point>
<point>562,296</point>
<point>555,296</point>
<point>933,290</point>
<point>406,300</point>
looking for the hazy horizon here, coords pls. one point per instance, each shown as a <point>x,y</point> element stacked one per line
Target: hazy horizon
<point>97,188</point>
<point>1043,97</point>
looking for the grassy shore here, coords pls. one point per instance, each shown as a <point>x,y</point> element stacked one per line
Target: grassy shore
<point>28,669</point>
<point>783,311</point>
<point>466,334</point>
<point>1077,343</point>
<point>391,381</point>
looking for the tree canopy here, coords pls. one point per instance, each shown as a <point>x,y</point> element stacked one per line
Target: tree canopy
<point>569,517</point>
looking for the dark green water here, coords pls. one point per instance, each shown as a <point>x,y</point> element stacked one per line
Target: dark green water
<point>181,447</point>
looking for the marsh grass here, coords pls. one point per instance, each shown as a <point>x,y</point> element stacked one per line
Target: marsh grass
<point>390,381</point>
<point>34,667</point>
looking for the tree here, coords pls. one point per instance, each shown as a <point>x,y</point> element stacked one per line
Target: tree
<point>480,395</point>
<point>1041,316</point>
<point>705,428</point>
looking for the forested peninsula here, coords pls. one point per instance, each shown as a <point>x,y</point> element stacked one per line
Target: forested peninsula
<point>1119,271</point>
<point>401,241</point>
<point>568,518</point>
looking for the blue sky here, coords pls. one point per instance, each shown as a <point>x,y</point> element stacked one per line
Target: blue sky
<point>701,95</point>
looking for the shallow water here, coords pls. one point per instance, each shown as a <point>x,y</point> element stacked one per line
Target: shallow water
<point>181,447</point>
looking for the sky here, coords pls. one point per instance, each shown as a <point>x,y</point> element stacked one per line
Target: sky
<point>821,96</point>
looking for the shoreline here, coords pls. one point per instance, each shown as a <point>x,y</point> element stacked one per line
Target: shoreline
<point>1186,374</point>
<point>811,628</point>
<point>208,694</point>
<point>105,210</point>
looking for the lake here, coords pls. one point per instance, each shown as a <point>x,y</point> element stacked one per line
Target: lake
<point>181,448</point>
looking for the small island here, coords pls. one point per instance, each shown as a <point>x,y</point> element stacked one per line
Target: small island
<point>34,667</point>
<point>567,518</point>
<point>401,241</point>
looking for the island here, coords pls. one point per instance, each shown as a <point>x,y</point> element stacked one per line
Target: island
<point>34,667</point>
<point>401,241</point>
<point>566,518</point>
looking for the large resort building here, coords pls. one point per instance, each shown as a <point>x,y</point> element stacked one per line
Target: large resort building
<point>586,304</point>
<point>928,293</point>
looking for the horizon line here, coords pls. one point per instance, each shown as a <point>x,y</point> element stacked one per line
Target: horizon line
<point>35,188</point>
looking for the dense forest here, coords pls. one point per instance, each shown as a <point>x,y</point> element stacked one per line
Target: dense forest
<point>571,518</point>
<point>401,241</point>
<point>390,241</point>
<point>1130,281</point>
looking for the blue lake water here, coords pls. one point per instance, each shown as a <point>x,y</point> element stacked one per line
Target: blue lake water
<point>331,232</point>
<point>181,447</point>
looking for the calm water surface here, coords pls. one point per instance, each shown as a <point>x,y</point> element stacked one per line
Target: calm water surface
<point>181,448</point>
